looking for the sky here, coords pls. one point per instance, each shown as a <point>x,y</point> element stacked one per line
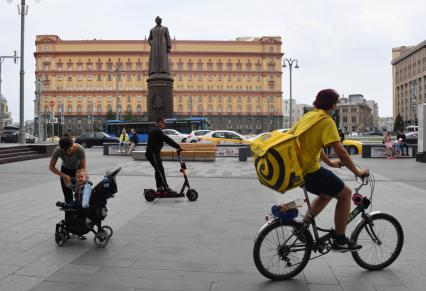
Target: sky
<point>341,44</point>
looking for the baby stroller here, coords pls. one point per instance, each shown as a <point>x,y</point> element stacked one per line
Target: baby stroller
<point>75,219</point>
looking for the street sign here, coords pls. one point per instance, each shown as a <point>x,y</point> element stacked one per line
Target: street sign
<point>52,103</point>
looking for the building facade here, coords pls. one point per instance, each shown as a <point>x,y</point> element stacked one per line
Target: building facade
<point>354,114</point>
<point>5,116</point>
<point>408,81</point>
<point>235,84</point>
<point>374,107</point>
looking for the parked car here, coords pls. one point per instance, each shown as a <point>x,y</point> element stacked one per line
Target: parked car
<point>193,137</point>
<point>353,146</point>
<point>175,135</point>
<point>375,132</point>
<point>90,139</point>
<point>11,136</point>
<point>223,137</point>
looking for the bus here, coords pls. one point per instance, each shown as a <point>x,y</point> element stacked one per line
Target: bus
<point>114,127</point>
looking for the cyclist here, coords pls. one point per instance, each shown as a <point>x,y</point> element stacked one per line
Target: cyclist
<point>319,180</point>
<point>156,139</point>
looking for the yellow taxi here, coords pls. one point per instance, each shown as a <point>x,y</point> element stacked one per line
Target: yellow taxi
<point>223,137</point>
<point>353,146</point>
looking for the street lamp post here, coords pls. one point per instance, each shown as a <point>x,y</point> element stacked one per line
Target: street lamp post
<point>290,63</point>
<point>117,75</point>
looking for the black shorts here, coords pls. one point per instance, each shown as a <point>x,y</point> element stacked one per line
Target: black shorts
<point>323,181</point>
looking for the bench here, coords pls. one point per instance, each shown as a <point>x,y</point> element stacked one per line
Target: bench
<point>191,152</point>
<point>377,150</point>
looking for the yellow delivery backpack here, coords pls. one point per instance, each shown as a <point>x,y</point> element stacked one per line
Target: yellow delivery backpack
<point>277,156</point>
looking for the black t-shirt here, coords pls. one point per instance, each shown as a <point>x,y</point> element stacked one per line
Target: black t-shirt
<point>402,136</point>
<point>134,138</point>
<point>156,138</point>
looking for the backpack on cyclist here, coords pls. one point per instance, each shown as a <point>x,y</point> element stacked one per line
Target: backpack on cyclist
<point>277,156</point>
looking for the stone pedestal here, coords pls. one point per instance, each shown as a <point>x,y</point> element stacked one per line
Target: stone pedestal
<point>421,139</point>
<point>160,96</point>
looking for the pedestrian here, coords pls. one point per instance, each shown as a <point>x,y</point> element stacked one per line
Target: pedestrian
<point>124,140</point>
<point>134,140</point>
<point>73,158</point>
<point>341,135</point>
<point>389,149</point>
<point>401,142</point>
<point>156,139</point>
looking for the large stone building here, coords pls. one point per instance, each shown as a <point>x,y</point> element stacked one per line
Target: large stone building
<point>354,114</point>
<point>5,116</point>
<point>408,81</point>
<point>235,84</point>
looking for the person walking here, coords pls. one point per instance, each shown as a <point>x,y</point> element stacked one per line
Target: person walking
<point>156,140</point>
<point>73,158</point>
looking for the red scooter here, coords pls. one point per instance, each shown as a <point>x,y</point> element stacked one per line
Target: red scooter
<point>191,194</point>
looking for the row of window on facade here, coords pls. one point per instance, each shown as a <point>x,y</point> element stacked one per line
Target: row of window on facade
<point>345,119</point>
<point>180,77</point>
<point>200,99</point>
<point>189,108</point>
<point>179,65</point>
<point>411,70</point>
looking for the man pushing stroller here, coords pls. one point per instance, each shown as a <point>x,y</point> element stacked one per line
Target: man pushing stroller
<point>156,140</point>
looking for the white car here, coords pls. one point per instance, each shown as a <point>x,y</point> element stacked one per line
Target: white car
<point>175,135</point>
<point>223,137</point>
<point>194,136</point>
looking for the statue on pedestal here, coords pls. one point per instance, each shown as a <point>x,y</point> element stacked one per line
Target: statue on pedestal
<point>161,44</point>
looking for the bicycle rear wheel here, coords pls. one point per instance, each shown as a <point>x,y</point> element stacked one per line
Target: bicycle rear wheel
<point>282,250</point>
<point>381,239</point>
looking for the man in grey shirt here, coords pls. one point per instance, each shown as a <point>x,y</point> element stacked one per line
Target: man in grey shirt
<point>73,158</point>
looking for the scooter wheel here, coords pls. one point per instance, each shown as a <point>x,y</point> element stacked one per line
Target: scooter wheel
<point>101,239</point>
<point>149,195</point>
<point>192,195</point>
<point>60,238</point>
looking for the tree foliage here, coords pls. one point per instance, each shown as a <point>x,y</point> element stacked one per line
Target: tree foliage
<point>398,124</point>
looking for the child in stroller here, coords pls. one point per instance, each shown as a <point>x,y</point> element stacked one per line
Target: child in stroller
<point>79,220</point>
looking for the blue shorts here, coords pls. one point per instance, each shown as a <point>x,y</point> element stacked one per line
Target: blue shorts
<point>323,181</point>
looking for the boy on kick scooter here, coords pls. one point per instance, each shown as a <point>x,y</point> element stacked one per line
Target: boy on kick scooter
<point>156,139</point>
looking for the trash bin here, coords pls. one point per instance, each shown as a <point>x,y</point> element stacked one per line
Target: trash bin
<point>243,153</point>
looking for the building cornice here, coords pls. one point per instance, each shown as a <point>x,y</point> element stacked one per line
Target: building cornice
<point>409,52</point>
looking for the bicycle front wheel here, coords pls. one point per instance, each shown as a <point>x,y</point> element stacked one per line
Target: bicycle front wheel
<point>282,250</point>
<point>381,239</point>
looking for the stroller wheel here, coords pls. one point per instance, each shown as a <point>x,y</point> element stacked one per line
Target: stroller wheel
<point>192,195</point>
<point>101,239</point>
<point>149,195</point>
<point>108,230</point>
<point>60,238</point>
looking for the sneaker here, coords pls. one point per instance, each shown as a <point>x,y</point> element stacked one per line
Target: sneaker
<point>347,246</point>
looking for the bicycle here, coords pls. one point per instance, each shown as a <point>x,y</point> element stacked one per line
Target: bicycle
<point>288,243</point>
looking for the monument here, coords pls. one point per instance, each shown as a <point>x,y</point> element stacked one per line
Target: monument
<point>160,82</point>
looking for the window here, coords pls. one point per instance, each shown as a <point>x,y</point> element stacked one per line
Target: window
<point>271,108</point>
<point>219,108</point>
<point>79,108</point>
<point>99,108</point>
<point>248,108</point>
<point>229,66</point>
<point>239,108</point>
<point>209,108</point>
<point>69,108</point>
<point>229,108</point>
<point>129,108</point>
<point>139,108</point>
<point>200,66</point>
<point>257,109</point>
<point>258,67</point>
<point>200,108</point>
<point>210,99</point>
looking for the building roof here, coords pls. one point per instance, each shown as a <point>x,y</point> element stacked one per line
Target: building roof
<point>409,52</point>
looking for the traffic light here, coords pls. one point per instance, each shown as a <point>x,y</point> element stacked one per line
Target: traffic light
<point>15,56</point>
<point>48,115</point>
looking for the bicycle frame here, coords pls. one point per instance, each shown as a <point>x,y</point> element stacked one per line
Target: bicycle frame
<point>319,241</point>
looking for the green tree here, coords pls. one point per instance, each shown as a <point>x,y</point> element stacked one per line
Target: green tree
<point>336,117</point>
<point>398,124</point>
